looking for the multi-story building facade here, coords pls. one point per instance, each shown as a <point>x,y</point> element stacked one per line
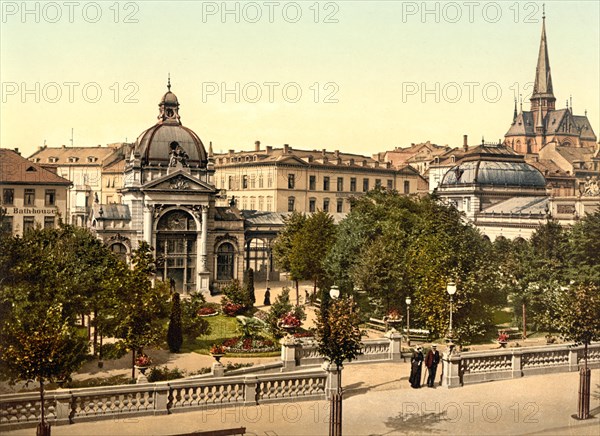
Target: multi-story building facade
<point>418,156</point>
<point>83,167</point>
<point>31,195</point>
<point>286,180</point>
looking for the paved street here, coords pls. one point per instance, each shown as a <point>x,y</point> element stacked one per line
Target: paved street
<point>379,401</point>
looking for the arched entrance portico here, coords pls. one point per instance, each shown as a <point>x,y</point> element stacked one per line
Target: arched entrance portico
<point>176,237</point>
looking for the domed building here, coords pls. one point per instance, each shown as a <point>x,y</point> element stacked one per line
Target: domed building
<point>168,200</point>
<point>492,183</point>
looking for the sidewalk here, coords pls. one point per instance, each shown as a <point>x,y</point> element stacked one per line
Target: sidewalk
<point>379,401</point>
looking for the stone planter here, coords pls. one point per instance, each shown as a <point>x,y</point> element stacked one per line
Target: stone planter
<point>217,356</point>
<point>142,369</point>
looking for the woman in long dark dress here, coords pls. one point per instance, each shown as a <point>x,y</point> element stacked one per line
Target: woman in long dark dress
<point>267,300</point>
<point>416,363</point>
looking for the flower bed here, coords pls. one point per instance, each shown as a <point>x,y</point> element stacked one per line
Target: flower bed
<point>232,309</point>
<point>207,311</point>
<point>249,345</point>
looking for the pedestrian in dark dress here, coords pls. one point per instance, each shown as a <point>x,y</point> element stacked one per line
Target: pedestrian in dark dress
<point>267,300</point>
<point>431,362</point>
<point>416,362</point>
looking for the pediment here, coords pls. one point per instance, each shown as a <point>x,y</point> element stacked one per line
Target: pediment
<point>291,159</point>
<point>178,181</point>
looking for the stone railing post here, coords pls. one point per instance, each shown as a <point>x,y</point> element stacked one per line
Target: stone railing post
<point>573,355</point>
<point>395,338</point>
<point>250,390</point>
<point>288,353</point>
<point>517,364</point>
<point>161,399</point>
<point>332,385</point>
<point>451,367</point>
<point>217,370</point>
<point>64,400</point>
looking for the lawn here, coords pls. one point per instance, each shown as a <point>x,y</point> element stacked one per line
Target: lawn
<point>222,327</point>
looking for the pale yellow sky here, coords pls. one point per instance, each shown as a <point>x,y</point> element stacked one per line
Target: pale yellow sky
<point>351,75</point>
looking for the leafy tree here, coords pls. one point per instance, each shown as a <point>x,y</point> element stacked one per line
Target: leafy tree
<point>283,246</point>
<point>584,244</point>
<point>139,315</point>
<point>338,335</point>
<point>578,320</point>
<point>192,324</point>
<point>46,349</point>
<point>279,308</point>
<point>174,332</point>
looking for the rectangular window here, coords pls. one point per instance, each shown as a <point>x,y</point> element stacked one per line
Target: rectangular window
<point>365,185</point>
<point>8,196</point>
<point>260,181</point>
<point>244,182</point>
<point>353,184</point>
<point>291,201</point>
<point>291,181</point>
<point>340,184</point>
<point>378,183</point>
<point>326,205</point>
<point>48,222</point>
<point>340,205</point>
<point>260,203</point>
<point>312,183</point>
<point>28,223</point>
<point>390,184</point>
<point>252,203</point>
<point>312,205</point>
<point>7,224</point>
<point>50,197</point>
<point>29,199</point>
<point>269,204</point>
<point>467,203</point>
<point>269,182</point>
<point>230,182</point>
<point>406,187</point>
<point>325,183</point>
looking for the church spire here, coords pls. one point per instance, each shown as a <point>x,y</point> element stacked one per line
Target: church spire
<point>515,112</point>
<point>543,93</point>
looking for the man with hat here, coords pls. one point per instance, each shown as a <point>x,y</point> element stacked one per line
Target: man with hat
<point>431,362</point>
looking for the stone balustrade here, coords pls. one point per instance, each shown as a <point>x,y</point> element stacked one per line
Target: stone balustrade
<point>69,406</point>
<point>479,366</point>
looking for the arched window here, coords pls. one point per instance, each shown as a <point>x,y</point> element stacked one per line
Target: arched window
<point>176,249</point>
<point>119,250</point>
<point>225,261</point>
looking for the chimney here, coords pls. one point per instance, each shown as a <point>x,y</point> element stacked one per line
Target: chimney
<point>231,152</point>
<point>465,142</point>
<point>269,149</point>
<point>286,148</point>
<point>324,152</point>
<point>17,151</point>
<point>256,145</point>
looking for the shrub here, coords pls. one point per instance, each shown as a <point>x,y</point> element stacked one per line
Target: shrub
<point>113,351</point>
<point>193,325</point>
<point>164,373</point>
<point>281,306</point>
<point>250,327</point>
<point>236,294</point>
<point>175,333</point>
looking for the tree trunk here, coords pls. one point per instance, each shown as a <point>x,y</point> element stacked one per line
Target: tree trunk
<point>524,322</point>
<point>297,293</point>
<point>95,330</point>
<point>43,429</point>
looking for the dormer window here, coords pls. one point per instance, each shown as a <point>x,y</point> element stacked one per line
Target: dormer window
<point>73,159</point>
<point>31,169</point>
<point>91,159</point>
<point>52,159</point>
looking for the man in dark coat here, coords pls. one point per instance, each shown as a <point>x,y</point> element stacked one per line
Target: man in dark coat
<point>431,362</point>
<point>416,362</point>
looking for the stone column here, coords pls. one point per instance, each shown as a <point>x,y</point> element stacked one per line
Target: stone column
<point>288,353</point>
<point>451,366</point>
<point>161,398</point>
<point>395,338</point>
<point>573,363</point>
<point>333,377</point>
<point>517,371</point>
<point>204,240</point>
<point>218,370</point>
<point>250,385</point>
<point>148,218</point>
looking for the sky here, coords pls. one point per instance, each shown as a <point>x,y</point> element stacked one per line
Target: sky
<point>357,76</point>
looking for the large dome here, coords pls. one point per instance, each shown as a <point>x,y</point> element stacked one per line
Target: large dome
<point>156,144</point>
<point>494,173</point>
<point>168,137</point>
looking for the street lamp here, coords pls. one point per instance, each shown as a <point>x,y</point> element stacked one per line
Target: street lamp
<point>408,301</point>
<point>334,292</point>
<point>451,289</point>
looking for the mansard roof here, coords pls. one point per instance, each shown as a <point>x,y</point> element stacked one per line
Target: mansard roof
<point>16,169</point>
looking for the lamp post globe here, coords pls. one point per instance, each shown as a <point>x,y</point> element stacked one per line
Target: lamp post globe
<point>334,292</point>
<point>451,289</point>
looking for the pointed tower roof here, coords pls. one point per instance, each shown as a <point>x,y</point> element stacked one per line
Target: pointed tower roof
<point>542,87</point>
